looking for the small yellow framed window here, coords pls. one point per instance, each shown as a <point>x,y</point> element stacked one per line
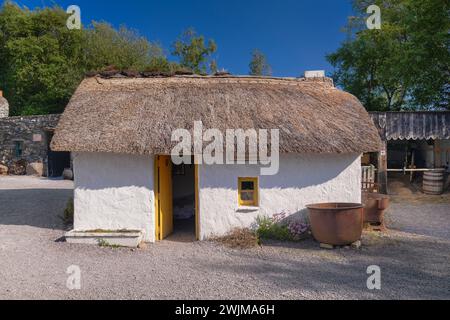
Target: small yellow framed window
<point>248,192</point>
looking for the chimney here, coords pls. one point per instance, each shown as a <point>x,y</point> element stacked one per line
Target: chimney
<point>4,106</point>
<point>318,76</point>
<point>315,74</point>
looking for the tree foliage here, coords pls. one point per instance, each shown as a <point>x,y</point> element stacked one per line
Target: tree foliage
<point>42,62</point>
<point>405,64</point>
<point>258,65</point>
<point>123,48</point>
<point>39,59</point>
<point>193,52</point>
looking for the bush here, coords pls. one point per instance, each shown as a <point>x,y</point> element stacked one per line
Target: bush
<point>68,213</point>
<point>268,229</point>
<point>276,228</point>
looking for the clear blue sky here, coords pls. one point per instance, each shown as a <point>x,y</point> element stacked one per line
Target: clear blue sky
<point>295,35</point>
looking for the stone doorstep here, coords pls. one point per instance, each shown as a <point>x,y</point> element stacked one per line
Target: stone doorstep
<point>122,239</point>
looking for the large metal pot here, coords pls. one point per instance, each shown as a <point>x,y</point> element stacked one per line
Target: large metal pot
<point>337,224</point>
<point>375,205</point>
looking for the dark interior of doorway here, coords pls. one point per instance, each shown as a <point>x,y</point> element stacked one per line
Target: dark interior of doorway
<point>183,186</point>
<point>57,161</point>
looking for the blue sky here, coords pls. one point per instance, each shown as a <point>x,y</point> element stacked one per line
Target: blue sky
<point>295,35</point>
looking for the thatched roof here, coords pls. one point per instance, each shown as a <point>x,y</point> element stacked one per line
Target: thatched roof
<point>138,115</point>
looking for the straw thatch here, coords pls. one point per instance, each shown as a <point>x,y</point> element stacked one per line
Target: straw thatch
<point>138,115</point>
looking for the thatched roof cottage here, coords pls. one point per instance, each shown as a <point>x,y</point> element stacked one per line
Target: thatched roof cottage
<point>120,130</point>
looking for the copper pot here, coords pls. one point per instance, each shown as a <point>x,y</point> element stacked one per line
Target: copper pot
<point>375,205</point>
<point>336,224</point>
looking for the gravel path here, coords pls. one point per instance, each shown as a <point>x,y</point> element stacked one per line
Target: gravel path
<point>414,258</point>
<point>431,219</point>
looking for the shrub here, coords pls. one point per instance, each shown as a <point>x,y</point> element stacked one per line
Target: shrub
<point>269,229</point>
<point>298,230</point>
<point>276,228</point>
<point>68,213</point>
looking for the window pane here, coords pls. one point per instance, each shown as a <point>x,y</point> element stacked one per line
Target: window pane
<point>18,149</point>
<point>247,196</point>
<point>248,185</point>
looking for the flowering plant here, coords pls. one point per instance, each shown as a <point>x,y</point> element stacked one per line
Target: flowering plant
<point>277,228</point>
<point>297,229</point>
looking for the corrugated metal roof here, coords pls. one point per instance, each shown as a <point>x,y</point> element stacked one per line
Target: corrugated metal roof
<point>412,125</point>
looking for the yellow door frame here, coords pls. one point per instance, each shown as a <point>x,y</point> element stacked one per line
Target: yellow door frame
<point>158,199</point>
<point>156,194</point>
<point>197,202</point>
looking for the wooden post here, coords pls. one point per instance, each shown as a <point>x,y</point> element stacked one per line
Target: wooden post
<point>382,168</point>
<point>437,154</point>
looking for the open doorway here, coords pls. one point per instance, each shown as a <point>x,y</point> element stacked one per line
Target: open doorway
<point>183,181</point>
<point>176,196</point>
<point>57,162</point>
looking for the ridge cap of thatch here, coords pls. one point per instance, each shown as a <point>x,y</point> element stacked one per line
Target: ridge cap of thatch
<point>123,75</point>
<point>320,83</point>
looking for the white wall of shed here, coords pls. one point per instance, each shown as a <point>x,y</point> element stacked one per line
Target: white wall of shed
<point>302,180</point>
<point>114,192</point>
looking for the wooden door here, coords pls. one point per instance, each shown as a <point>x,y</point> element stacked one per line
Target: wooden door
<point>164,204</point>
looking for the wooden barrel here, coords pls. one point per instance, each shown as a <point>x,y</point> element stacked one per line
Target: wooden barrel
<point>433,182</point>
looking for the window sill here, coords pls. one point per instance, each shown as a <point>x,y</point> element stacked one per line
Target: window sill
<point>247,209</point>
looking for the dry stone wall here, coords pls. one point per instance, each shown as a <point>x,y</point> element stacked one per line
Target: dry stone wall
<point>28,134</point>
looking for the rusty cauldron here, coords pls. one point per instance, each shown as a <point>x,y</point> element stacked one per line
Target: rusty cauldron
<point>375,205</point>
<point>337,224</point>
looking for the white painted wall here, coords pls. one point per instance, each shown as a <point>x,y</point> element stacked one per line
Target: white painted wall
<point>114,192</point>
<point>302,180</point>
<point>443,158</point>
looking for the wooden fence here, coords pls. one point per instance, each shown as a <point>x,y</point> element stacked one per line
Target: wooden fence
<point>368,178</point>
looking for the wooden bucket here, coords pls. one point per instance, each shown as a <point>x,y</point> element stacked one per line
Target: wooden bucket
<point>433,182</point>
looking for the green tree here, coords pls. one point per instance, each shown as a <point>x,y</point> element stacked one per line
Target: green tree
<point>213,66</point>
<point>39,59</point>
<point>42,62</point>
<point>193,52</point>
<point>258,65</point>
<point>405,64</point>
<point>123,48</point>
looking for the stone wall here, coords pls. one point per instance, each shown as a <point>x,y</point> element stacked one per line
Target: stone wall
<point>32,132</point>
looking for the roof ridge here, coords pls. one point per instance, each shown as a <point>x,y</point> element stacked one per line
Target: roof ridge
<point>222,78</point>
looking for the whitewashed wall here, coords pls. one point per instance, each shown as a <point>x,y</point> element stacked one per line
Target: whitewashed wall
<point>443,158</point>
<point>114,192</point>
<point>302,180</point>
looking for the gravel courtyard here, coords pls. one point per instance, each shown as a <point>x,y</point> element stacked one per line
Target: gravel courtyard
<point>414,257</point>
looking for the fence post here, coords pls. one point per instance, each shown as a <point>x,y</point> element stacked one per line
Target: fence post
<point>382,168</point>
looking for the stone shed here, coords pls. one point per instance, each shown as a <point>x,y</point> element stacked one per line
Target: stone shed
<point>25,141</point>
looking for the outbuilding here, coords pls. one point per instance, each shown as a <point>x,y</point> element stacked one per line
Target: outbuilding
<point>120,131</point>
<point>25,145</point>
<point>416,143</point>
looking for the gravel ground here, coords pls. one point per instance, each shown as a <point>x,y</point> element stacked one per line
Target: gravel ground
<point>414,258</point>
